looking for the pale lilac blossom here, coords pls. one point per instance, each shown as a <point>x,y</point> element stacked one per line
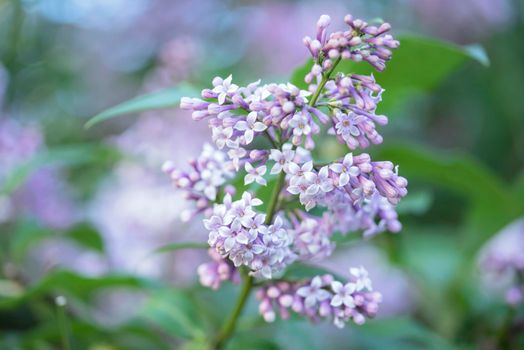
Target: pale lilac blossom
<point>255,174</point>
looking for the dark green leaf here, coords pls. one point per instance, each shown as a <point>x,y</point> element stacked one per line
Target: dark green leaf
<point>167,98</point>
<point>494,204</point>
<point>75,285</point>
<point>87,236</point>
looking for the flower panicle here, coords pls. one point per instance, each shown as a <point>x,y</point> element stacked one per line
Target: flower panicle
<point>264,134</point>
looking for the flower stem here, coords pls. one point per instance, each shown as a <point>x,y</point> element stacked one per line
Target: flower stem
<point>325,78</point>
<point>247,280</point>
<point>273,201</point>
<point>230,325</point>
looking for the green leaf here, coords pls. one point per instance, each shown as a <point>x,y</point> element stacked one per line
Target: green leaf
<point>87,236</point>
<point>174,312</point>
<point>167,98</point>
<point>251,341</point>
<point>198,344</point>
<point>398,333</point>
<point>70,155</point>
<point>416,203</point>
<point>179,246</point>
<point>419,64</point>
<point>75,285</point>
<point>26,234</point>
<point>463,175</point>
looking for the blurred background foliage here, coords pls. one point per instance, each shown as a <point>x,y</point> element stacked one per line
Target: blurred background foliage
<point>82,211</point>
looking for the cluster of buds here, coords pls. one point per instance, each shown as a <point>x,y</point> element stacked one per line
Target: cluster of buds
<point>361,42</point>
<point>263,131</point>
<point>322,297</point>
<point>218,270</point>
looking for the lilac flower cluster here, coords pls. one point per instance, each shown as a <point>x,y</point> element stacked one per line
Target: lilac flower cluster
<point>202,182</point>
<point>322,297</point>
<point>264,131</point>
<point>352,188</point>
<point>237,231</point>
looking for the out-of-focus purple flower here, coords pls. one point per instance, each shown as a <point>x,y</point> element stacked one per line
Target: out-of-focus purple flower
<point>502,262</point>
<point>136,210</point>
<point>218,270</point>
<point>311,237</point>
<point>464,21</point>
<point>44,195</point>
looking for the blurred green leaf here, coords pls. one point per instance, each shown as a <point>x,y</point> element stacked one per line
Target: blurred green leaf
<point>416,203</point>
<point>26,234</point>
<point>251,341</point>
<point>10,289</point>
<point>197,344</point>
<point>85,335</point>
<point>179,246</point>
<point>86,236</point>
<point>70,155</point>
<point>463,175</point>
<point>419,64</point>
<point>175,313</point>
<point>398,333</point>
<point>75,285</point>
<point>167,98</point>
<point>518,186</point>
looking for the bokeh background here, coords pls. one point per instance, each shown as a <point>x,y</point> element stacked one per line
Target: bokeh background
<point>82,212</point>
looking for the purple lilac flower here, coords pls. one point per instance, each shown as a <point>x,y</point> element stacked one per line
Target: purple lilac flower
<point>237,231</point>
<point>218,270</point>
<point>354,189</point>
<point>311,237</point>
<point>319,298</point>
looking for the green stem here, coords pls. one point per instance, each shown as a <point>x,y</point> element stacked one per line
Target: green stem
<point>62,326</point>
<point>272,206</point>
<point>325,77</point>
<point>248,281</point>
<point>503,335</point>
<point>230,325</point>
